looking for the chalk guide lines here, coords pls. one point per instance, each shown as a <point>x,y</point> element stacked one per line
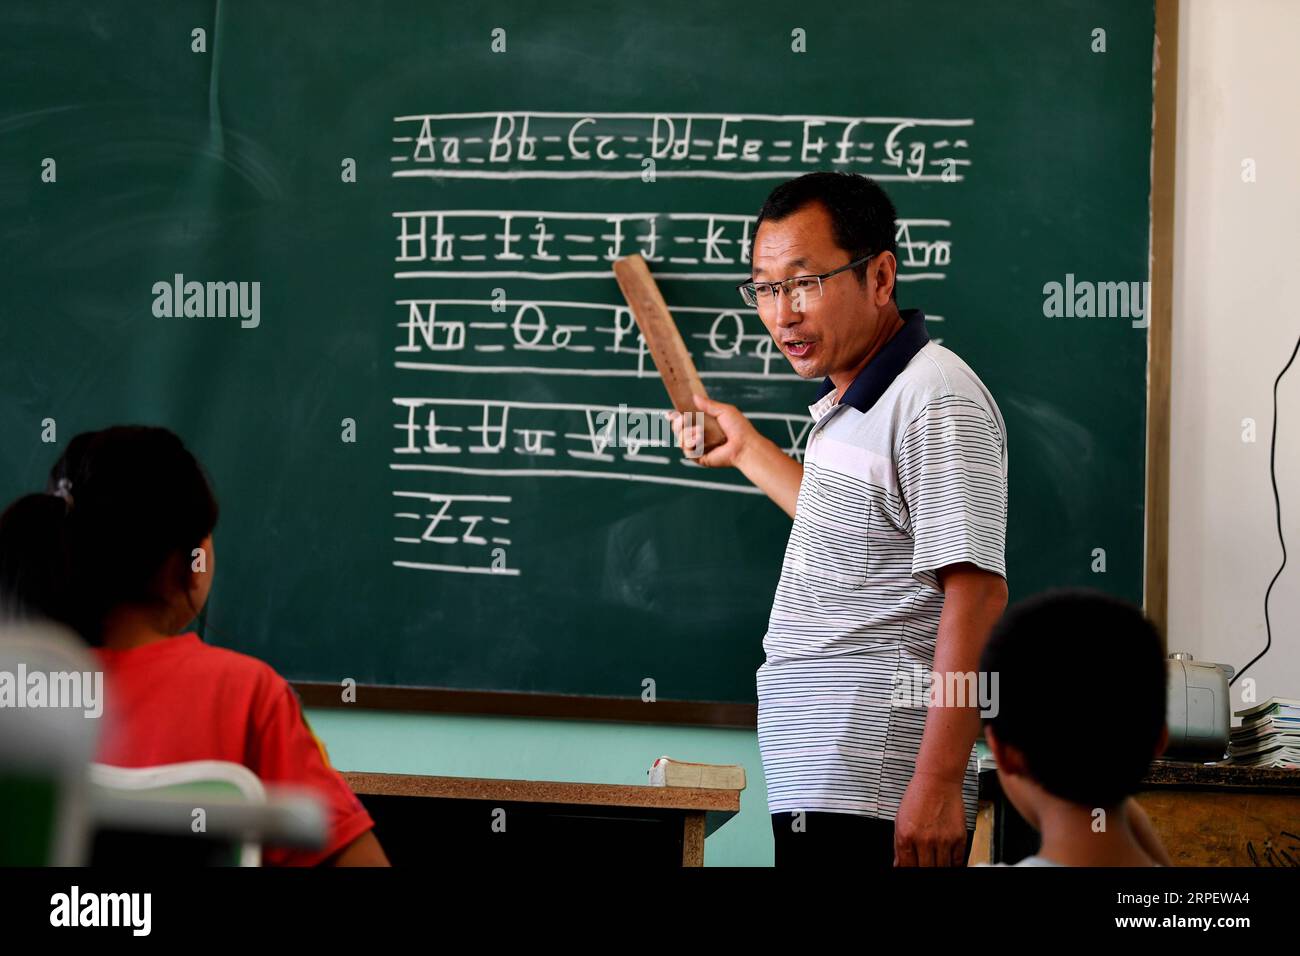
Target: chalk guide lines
<point>551,145</point>
<point>556,245</point>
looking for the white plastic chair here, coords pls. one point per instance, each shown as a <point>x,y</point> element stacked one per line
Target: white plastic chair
<point>236,806</point>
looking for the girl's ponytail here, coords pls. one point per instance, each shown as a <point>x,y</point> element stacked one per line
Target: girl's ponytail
<point>35,568</point>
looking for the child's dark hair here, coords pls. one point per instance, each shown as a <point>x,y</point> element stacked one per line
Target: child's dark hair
<point>118,504</point>
<point>1081,691</point>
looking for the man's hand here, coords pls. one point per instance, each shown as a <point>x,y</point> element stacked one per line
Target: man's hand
<point>762,462</point>
<point>740,432</point>
<point>930,828</point>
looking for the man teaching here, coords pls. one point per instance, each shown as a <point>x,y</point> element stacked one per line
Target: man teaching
<point>895,564</point>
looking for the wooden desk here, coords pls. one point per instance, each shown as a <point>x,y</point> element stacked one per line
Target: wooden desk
<point>1205,814</point>
<point>1224,814</point>
<point>422,820</point>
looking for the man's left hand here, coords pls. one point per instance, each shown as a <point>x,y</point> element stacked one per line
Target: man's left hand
<point>930,829</point>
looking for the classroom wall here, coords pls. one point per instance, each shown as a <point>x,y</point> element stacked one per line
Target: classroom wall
<point>1237,255</point>
<point>1237,250</point>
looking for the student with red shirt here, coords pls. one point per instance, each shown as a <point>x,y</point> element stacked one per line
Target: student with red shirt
<point>120,549</point>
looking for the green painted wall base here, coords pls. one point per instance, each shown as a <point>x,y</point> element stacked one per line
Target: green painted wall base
<point>577,751</point>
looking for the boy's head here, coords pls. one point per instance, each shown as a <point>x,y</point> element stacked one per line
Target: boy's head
<point>123,512</point>
<point>1081,699</point>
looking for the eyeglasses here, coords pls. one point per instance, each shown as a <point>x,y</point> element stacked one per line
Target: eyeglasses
<point>798,289</point>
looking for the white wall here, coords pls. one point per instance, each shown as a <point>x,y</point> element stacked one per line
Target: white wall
<point>1236,320</point>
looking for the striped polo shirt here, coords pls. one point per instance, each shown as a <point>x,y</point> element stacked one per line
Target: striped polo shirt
<point>907,473</point>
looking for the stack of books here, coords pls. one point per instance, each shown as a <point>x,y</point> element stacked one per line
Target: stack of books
<point>1269,735</point>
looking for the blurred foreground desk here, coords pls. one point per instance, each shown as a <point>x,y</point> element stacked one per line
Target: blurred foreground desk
<point>1205,814</point>
<point>420,820</point>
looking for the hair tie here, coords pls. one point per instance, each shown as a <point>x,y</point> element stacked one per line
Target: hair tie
<point>63,489</point>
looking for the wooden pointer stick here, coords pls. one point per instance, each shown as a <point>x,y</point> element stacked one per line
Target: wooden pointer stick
<point>664,341</point>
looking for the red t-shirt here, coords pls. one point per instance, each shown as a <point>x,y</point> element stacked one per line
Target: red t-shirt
<point>179,699</point>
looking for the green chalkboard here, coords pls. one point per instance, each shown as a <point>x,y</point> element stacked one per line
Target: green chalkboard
<point>455,301</point>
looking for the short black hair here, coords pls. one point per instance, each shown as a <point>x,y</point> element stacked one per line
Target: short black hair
<point>118,503</point>
<point>1081,690</point>
<point>862,214</point>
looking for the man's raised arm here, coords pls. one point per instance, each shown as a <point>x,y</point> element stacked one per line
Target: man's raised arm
<point>759,459</point>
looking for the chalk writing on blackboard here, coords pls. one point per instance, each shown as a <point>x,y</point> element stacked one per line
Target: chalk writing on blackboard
<point>473,436</point>
<point>595,339</point>
<point>558,245</point>
<point>466,527</point>
<point>446,443</point>
<point>550,145</point>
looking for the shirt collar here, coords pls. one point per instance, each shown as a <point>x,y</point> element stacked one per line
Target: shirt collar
<point>878,374</point>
